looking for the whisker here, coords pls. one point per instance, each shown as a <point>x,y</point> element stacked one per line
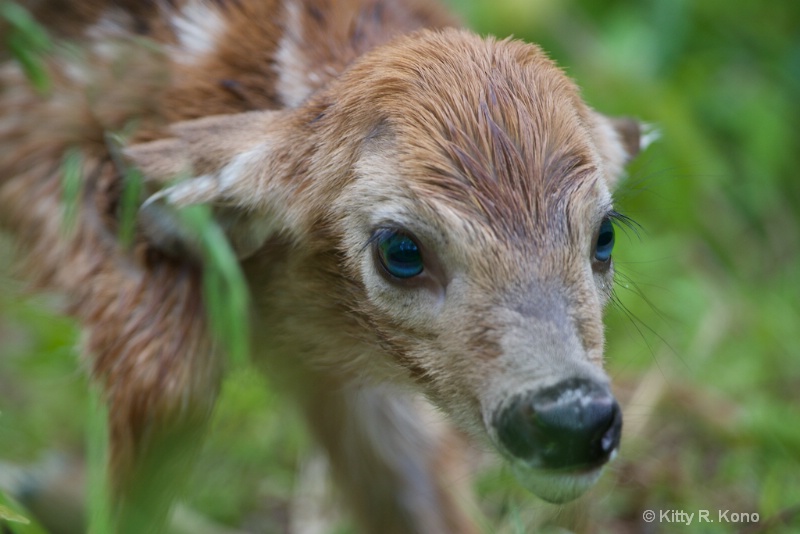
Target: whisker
<point>640,325</point>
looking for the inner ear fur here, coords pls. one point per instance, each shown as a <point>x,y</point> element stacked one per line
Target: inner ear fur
<point>629,131</point>
<point>242,166</point>
<point>619,140</point>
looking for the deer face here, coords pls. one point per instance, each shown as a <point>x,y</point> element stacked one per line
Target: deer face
<point>464,188</point>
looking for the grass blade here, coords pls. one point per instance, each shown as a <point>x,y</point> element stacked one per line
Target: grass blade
<point>225,289</point>
<point>27,41</point>
<point>71,186</point>
<point>99,506</point>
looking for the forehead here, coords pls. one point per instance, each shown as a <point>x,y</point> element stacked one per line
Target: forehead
<point>492,130</point>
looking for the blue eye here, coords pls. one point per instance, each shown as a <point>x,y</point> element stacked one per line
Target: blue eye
<point>605,241</point>
<point>399,254</point>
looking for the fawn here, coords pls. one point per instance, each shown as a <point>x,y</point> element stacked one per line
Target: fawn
<point>418,212</point>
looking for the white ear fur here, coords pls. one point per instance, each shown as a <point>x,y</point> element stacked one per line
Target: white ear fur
<point>650,133</point>
<point>213,147</point>
<point>239,164</point>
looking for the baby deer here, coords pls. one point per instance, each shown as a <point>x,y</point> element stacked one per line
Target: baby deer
<point>416,209</point>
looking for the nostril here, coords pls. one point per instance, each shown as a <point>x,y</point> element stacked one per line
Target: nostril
<point>610,440</point>
<point>572,424</point>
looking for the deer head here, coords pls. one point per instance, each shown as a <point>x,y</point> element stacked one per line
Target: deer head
<point>460,192</point>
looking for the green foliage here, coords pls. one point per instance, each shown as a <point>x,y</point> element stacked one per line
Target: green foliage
<point>9,515</point>
<point>701,346</point>
<point>71,186</point>
<point>131,198</point>
<point>27,41</point>
<point>98,504</point>
<point>709,288</point>
<point>224,287</point>
<point>15,519</point>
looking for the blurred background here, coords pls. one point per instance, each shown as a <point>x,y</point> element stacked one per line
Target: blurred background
<point>702,343</point>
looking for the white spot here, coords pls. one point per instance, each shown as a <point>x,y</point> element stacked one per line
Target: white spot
<point>295,81</point>
<point>106,35</point>
<point>114,24</point>
<point>198,26</point>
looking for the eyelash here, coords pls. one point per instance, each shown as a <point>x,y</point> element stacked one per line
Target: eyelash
<point>624,222</point>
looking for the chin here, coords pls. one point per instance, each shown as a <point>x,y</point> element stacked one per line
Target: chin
<point>556,487</point>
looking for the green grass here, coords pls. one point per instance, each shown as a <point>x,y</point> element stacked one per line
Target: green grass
<point>703,354</point>
<point>26,41</point>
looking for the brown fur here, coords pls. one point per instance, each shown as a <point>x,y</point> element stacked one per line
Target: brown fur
<point>482,148</point>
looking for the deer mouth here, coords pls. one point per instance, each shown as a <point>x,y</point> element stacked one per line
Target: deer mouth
<point>556,486</point>
<point>557,439</point>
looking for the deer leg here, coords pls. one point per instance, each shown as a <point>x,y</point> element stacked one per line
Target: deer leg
<point>399,472</point>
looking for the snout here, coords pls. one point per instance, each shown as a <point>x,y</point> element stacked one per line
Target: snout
<point>565,433</point>
<point>572,425</point>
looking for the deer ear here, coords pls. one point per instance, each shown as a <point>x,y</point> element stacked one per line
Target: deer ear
<point>243,166</point>
<point>620,139</point>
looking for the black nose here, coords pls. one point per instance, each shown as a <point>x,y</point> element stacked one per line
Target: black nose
<point>575,423</point>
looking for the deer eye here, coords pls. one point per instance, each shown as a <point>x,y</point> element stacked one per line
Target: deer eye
<point>399,254</point>
<point>605,241</point>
